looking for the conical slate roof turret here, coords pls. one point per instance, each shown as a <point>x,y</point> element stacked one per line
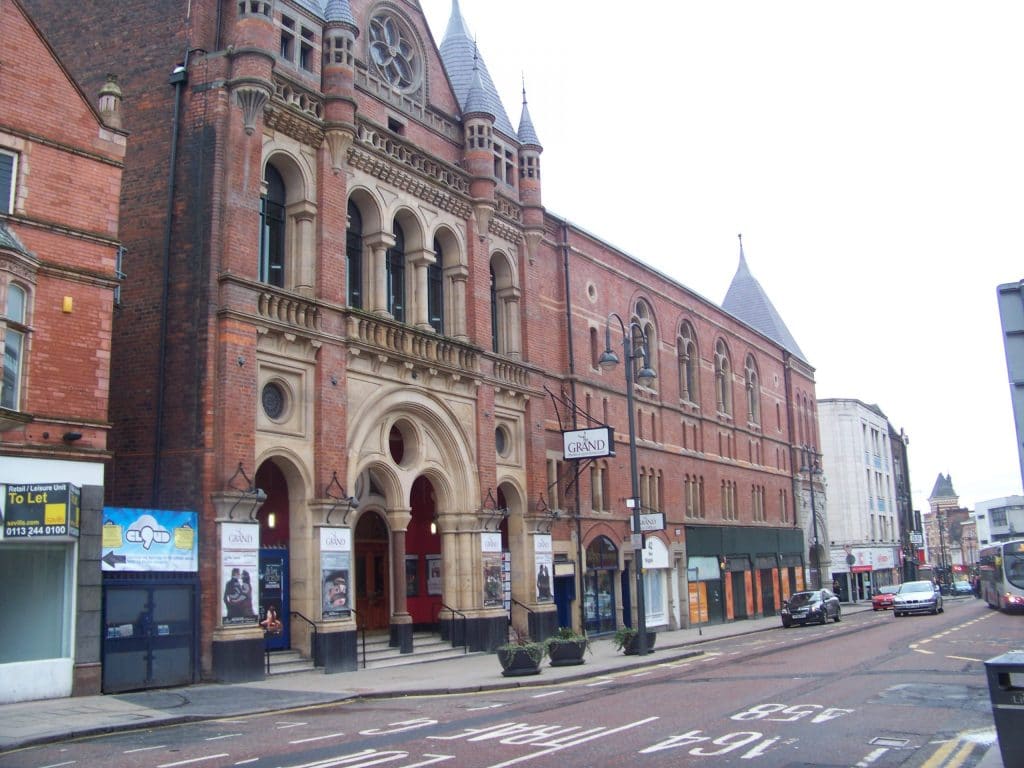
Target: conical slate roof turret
<point>340,11</point>
<point>527,134</point>
<point>747,301</point>
<point>463,64</point>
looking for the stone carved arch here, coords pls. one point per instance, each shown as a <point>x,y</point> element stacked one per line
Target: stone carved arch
<point>446,455</point>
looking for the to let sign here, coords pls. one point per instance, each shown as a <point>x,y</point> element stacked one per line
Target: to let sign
<point>595,443</point>
<point>50,509</point>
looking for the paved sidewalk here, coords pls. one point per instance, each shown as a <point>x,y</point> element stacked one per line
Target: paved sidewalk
<point>37,722</point>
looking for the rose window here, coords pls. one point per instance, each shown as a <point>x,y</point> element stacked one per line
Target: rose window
<point>394,53</point>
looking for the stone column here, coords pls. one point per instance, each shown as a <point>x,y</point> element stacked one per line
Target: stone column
<point>401,621</point>
<point>420,261</point>
<point>376,299</point>
<point>457,277</point>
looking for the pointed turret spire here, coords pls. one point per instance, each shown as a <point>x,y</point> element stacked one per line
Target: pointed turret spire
<point>527,134</point>
<point>463,63</point>
<point>747,301</point>
<point>476,98</point>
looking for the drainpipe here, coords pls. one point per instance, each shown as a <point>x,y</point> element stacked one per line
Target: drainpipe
<point>572,384</point>
<point>179,78</point>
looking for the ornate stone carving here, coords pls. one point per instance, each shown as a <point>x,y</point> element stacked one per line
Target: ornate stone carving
<point>251,99</point>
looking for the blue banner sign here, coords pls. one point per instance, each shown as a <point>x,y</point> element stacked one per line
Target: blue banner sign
<point>149,540</point>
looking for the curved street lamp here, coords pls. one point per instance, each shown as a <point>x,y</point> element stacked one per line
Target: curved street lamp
<point>644,375</point>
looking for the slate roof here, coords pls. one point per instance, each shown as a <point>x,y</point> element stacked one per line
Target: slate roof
<point>747,301</point>
<point>339,10</point>
<point>527,134</point>
<point>10,242</point>
<point>459,55</point>
<point>943,488</point>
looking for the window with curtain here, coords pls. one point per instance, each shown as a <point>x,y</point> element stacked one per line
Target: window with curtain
<point>396,275</point>
<point>272,229</point>
<point>354,257</point>
<point>435,289</point>
<point>14,330</point>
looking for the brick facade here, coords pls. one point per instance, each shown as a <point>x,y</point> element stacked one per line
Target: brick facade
<point>372,404</point>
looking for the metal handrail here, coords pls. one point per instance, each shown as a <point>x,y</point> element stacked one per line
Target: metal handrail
<point>313,641</point>
<point>526,608</point>
<point>465,622</point>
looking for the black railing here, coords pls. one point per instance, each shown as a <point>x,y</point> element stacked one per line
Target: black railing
<point>529,615</point>
<point>465,624</point>
<point>314,647</point>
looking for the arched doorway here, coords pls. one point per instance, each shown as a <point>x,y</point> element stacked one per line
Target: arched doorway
<point>373,588</point>
<point>423,556</point>
<point>274,519</point>
<point>599,592</point>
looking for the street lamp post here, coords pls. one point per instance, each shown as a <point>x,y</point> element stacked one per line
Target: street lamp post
<point>607,361</point>
<point>810,466</point>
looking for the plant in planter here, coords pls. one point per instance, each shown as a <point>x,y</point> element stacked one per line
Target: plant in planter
<point>626,640</point>
<point>566,647</point>
<point>520,655</point>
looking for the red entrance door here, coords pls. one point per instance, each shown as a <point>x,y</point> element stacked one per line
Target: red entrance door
<point>372,572</point>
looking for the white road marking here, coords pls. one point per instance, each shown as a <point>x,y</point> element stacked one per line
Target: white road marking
<point>223,736</point>
<point>317,738</point>
<point>143,749</point>
<point>872,757</point>
<point>57,765</point>
<point>605,681</point>
<point>193,760</point>
<point>962,658</point>
<point>246,762</point>
<point>485,706</point>
<point>547,693</point>
<point>285,724</point>
<point>573,742</point>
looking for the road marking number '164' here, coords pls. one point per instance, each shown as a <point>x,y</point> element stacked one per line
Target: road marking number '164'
<point>755,740</point>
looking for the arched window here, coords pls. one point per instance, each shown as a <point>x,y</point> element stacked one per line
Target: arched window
<point>272,229</point>
<point>494,312</point>
<point>753,387</point>
<point>723,378</point>
<point>504,307</point>
<point>354,257</point>
<point>14,329</point>
<point>686,351</point>
<point>435,289</point>
<point>643,328</point>
<point>395,265</point>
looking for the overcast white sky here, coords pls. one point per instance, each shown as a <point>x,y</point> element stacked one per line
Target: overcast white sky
<point>871,154</point>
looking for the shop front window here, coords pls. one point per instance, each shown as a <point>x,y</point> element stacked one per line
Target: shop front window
<point>37,591</point>
<point>599,595</point>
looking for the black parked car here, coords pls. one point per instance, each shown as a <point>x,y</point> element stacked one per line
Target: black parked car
<point>817,605</point>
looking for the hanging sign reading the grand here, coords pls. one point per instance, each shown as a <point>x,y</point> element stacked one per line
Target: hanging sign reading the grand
<point>595,443</point>
<point>50,509</point>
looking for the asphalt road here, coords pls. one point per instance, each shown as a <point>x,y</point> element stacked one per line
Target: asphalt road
<point>869,692</point>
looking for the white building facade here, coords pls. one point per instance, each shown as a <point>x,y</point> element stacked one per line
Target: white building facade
<point>999,519</point>
<point>862,510</point>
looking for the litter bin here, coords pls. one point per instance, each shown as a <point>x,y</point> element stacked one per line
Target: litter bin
<point>1006,690</point>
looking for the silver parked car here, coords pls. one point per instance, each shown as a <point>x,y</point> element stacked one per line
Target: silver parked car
<point>917,597</point>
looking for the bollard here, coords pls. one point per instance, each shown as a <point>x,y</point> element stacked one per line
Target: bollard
<point>1006,691</point>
